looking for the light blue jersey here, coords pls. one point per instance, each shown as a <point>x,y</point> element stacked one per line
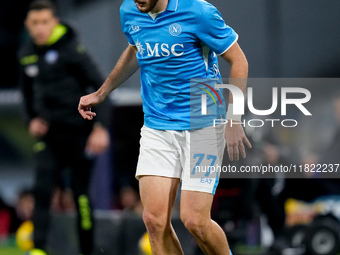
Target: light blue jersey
<point>175,46</point>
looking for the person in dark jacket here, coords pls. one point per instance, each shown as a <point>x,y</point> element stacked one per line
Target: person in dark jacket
<point>56,71</point>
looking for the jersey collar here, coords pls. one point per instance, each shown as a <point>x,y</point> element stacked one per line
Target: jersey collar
<point>172,5</point>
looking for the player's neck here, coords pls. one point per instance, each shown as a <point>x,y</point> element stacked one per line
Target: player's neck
<point>160,6</point>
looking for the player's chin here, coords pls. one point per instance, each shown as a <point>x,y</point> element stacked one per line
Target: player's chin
<point>143,8</point>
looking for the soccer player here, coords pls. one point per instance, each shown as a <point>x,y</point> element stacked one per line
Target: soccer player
<point>172,41</point>
<point>56,71</point>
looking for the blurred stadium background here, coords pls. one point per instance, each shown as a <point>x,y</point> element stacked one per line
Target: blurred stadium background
<point>281,39</point>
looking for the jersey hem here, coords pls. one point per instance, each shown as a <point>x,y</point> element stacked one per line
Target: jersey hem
<point>229,46</point>
<point>168,127</point>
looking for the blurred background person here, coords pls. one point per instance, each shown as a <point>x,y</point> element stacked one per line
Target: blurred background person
<point>56,70</point>
<point>269,189</point>
<point>11,217</point>
<point>6,213</point>
<point>129,200</point>
<point>24,207</point>
<point>12,14</point>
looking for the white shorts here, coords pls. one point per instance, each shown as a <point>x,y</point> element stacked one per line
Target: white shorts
<point>191,155</point>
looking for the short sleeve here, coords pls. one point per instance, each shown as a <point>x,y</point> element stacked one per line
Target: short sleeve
<point>213,31</point>
<point>125,28</point>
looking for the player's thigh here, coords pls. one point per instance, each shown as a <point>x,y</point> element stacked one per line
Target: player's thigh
<point>158,194</point>
<point>203,159</point>
<point>195,205</point>
<point>158,155</point>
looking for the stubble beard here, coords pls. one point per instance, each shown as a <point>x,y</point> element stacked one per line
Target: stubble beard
<point>148,8</point>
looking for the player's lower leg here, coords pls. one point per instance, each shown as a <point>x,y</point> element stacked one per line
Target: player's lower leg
<point>195,214</point>
<point>158,195</point>
<point>210,237</point>
<point>163,239</point>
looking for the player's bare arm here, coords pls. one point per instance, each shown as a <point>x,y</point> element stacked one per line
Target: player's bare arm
<point>126,66</point>
<point>234,135</point>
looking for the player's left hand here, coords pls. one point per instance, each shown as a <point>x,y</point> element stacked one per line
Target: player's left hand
<point>235,140</point>
<point>98,140</point>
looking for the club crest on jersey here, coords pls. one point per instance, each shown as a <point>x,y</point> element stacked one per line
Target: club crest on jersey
<point>175,29</point>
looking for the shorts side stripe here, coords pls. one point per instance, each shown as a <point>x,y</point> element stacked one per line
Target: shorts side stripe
<point>216,183</point>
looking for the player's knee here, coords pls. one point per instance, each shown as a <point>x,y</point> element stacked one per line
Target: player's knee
<point>154,223</point>
<point>195,225</point>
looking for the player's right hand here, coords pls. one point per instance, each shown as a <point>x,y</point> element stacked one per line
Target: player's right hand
<point>85,104</point>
